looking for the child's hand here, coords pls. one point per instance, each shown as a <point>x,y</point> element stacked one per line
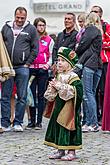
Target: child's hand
<point>55,84</point>
<point>51,86</point>
<point>52,83</point>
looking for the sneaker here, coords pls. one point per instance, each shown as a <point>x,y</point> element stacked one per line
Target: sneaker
<point>57,155</point>
<point>85,128</point>
<point>38,126</point>
<point>30,126</point>
<point>93,128</point>
<point>69,157</point>
<point>18,128</point>
<point>7,129</point>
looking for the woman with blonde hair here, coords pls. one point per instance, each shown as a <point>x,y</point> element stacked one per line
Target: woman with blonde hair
<point>93,19</point>
<point>81,21</point>
<point>88,51</point>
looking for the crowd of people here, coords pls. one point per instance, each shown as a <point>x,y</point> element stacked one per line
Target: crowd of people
<point>67,76</point>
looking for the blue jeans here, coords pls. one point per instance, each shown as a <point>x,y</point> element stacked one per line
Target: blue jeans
<point>90,81</point>
<point>21,79</point>
<point>39,83</point>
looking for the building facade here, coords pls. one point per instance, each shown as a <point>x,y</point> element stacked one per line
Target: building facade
<point>52,10</point>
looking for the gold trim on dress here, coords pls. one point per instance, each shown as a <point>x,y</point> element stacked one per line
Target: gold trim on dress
<point>63,147</point>
<point>74,79</point>
<point>66,117</point>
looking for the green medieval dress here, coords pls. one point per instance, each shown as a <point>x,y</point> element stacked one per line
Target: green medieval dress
<point>57,135</point>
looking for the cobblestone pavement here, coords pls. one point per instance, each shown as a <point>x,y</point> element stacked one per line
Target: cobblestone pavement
<point>27,149</point>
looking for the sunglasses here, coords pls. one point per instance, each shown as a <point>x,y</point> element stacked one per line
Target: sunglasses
<point>95,11</point>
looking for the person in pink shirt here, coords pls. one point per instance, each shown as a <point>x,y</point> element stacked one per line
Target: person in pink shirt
<point>40,69</point>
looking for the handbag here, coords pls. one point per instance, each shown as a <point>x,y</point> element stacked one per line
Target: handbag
<point>30,99</point>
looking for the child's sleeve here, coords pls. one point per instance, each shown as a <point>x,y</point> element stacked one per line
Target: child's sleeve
<point>50,94</point>
<point>68,91</point>
<point>65,91</point>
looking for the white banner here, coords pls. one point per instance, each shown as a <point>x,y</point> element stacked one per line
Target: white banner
<point>59,6</point>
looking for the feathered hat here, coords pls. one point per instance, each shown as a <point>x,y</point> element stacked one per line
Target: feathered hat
<point>68,55</point>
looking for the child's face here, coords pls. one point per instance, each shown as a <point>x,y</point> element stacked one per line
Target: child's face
<point>62,65</point>
<point>81,22</point>
<point>41,27</point>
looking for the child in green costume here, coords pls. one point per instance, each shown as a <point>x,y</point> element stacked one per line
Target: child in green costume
<point>65,91</point>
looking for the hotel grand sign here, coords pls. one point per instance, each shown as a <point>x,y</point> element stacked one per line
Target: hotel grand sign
<point>59,6</point>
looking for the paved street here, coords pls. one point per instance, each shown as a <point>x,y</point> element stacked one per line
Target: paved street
<point>27,149</point>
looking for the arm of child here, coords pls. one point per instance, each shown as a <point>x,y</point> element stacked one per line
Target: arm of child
<point>51,93</point>
<point>65,91</point>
